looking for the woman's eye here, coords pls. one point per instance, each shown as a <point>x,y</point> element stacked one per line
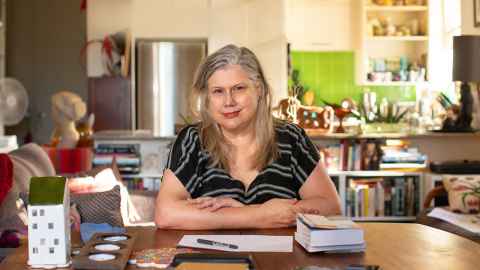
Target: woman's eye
<point>241,87</point>
<point>217,91</point>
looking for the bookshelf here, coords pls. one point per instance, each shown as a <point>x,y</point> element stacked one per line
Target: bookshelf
<point>366,192</point>
<point>139,155</point>
<point>402,192</point>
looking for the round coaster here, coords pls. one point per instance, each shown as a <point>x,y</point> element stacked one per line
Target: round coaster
<point>107,247</point>
<point>101,257</point>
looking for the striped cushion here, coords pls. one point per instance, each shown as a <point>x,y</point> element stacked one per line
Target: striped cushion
<point>100,207</point>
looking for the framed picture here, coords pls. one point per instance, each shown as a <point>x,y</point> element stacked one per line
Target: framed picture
<point>476,13</point>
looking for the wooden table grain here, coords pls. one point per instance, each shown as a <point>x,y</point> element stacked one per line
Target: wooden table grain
<point>390,245</point>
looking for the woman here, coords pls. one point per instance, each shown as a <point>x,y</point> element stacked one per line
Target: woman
<point>238,167</point>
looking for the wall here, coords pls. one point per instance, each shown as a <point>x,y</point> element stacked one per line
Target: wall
<point>331,76</point>
<point>468,27</point>
<point>257,24</point>
<point>145,19</point>
<point>44,40</point>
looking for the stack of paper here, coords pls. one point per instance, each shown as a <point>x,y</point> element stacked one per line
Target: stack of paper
<point>470,223</point>
<point>329,234</point>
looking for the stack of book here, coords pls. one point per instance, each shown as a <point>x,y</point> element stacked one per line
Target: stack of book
<point>329,234</point>
<point>127,157</point>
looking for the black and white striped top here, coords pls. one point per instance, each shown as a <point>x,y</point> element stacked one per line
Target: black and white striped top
<point>280,179</point>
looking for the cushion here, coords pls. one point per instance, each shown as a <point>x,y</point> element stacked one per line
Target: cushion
<point>99,207</point>
<point>6,176</point>
<point>101,179</point>
<point>28,161</point>
<point>461,196</point>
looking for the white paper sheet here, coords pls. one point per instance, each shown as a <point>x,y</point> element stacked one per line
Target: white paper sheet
<point>468,222</point>
<point>245,243</point>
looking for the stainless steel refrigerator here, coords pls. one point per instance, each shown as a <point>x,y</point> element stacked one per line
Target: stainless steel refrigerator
<point>164,76</point>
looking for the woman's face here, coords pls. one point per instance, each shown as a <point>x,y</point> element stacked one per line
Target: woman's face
<point>233,98</point>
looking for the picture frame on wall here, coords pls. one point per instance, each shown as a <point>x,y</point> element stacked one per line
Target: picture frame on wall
<point>476,13</point>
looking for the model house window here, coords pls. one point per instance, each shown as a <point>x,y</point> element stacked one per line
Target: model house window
<point>42,212</point>
<point>42,241</point>
<point>50,225</point>
<point>35,250</point>
<point>51,250</point>
<point>34,213</point>
<point>34,226</point>
<point>56,241</point>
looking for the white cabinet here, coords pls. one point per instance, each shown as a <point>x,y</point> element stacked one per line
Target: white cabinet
<point>394,44</point>
<point>320,25</point>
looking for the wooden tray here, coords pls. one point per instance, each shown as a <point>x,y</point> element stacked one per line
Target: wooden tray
<point>109,251</point>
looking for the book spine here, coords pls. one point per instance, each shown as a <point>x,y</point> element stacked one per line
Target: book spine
<point>380,199</point>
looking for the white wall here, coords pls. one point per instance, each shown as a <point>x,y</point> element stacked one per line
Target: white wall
<point>257,24</point>
<point>228,23</point>
<point>267,39</point>
<point>467,19</point>
<point>105,17</point>
<point>170,18</point>
<point>145,19</point>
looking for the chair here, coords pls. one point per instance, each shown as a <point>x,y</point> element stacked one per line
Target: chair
<point>433,194</point>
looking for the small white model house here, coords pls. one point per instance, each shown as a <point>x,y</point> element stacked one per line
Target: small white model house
<point>48,223</point>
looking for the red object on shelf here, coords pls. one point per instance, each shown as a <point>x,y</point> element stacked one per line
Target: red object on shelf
<point>67,161</point>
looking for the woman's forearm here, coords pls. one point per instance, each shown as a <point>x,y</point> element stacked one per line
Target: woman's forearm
<point>323,206</point>
<point>182,215</point>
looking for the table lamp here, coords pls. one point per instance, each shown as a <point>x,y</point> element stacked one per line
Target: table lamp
<point>466,69</point>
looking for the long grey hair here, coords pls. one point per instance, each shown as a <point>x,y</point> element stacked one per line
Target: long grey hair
<point>211,135</point>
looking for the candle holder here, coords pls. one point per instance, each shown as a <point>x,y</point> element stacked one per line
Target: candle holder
<point>341,113</point>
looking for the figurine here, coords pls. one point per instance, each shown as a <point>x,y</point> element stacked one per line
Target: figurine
<point>67,108</point>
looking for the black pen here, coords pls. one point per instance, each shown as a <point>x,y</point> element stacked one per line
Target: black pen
<point>215,243</point>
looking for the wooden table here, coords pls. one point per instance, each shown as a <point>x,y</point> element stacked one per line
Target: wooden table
<point>390,245</point>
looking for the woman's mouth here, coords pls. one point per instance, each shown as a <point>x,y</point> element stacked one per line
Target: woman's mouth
<point>230,115</point>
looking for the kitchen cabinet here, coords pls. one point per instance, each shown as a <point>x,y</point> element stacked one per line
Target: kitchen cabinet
<point>320,25</point>
<point>394,43</point>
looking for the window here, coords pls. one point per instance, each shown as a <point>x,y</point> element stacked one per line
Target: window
<point>42,241</point>
<point>56,241</point>
<point>34,226</point>
<point>34,212</point>
<point>51,250</point>
<point>42,212</point>
<point>35,250</point>
<point>50,225</point>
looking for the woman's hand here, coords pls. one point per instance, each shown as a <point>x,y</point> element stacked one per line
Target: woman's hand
<point>279,213</point>
<point>212,204</point>
<point>306,210</point>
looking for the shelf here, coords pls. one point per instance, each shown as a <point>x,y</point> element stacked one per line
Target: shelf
<point>387,218</point>
<point>367,83</point>
<point>130,176</point>
<point>373,173</point>
<point>397,38</point>
<point>427,135</point>
<point>396,8</point>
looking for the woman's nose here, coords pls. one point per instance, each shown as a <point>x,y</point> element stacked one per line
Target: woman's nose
<point>229,99</point>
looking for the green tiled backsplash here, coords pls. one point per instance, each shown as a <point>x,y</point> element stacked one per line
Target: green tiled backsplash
<point>331,75</point>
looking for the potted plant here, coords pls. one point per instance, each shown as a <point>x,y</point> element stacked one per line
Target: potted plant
<point>386,118</point>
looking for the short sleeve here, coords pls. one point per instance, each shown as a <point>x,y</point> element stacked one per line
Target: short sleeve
<point>183,157</point>
<point>305,155</point>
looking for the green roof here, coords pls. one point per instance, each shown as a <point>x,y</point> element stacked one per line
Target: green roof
<point>47,190</point>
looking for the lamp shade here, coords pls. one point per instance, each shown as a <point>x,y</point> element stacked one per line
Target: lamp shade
<point>466,58</point>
